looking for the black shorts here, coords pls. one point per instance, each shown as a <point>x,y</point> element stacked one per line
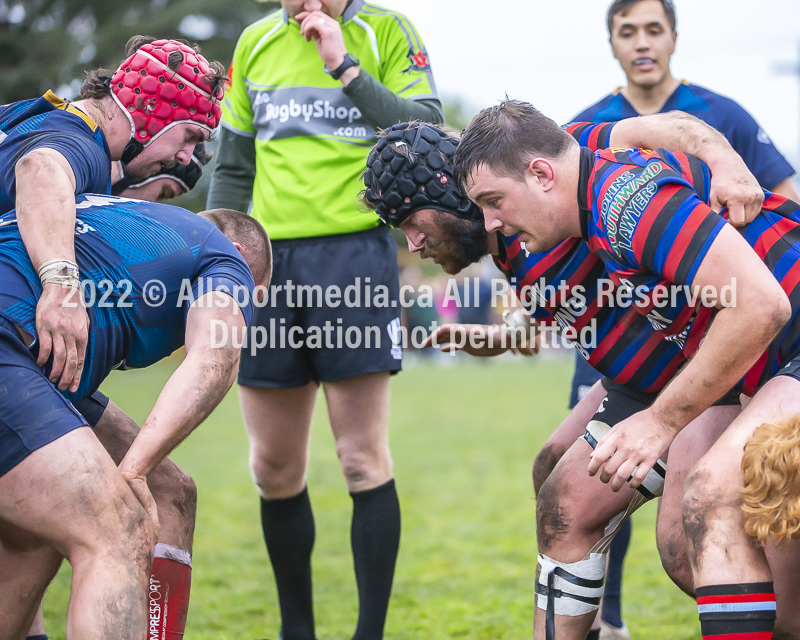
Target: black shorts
<point>791,368</point>
<point>583,379</point>
<point>345,322</point>
<point>622,402</point>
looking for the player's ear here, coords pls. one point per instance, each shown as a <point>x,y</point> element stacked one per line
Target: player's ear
<point>543,171</point>
<point>238,248</point>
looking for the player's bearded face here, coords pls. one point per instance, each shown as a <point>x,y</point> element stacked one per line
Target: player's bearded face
<point>451,242</point>
<point>643,42</point>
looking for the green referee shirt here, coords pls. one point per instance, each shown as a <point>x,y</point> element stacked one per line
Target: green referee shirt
<point>311,141</point>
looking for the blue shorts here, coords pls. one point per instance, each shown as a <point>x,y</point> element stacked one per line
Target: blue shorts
<point>32,411</point>
<point>582,380</point>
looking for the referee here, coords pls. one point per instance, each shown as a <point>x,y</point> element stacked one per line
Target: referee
<point>310,86</point>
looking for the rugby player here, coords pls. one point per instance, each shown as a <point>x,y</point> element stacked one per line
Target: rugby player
<point>642,215</point>
<point>453,235</point>
<point>162,278</point>
<point>642,35</point>
<point>73,143</point>
<point>298,122</point>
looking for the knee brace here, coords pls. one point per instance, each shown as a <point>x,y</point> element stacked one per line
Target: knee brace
<point>653,484</point>
<point>573,589</point>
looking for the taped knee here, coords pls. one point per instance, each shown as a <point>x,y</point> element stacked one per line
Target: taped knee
<point>653,484</point>
<point>573,589</point>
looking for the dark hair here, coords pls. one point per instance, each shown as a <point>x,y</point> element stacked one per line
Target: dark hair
<point>623,6</point>
<point>248,232</point>
<point>96,83</point>
<point>505,138</point>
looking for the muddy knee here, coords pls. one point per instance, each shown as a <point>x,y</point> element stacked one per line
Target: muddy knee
<point>544,463</point>
<point>364,469</point>
<point>171,485</point>
<point>706,498</point>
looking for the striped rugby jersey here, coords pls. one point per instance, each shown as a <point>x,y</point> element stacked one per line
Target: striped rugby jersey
<point>645,215</point>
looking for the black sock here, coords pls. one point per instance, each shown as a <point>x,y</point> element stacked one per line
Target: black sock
<point>289,533</point>
<point>612,605</point>
<point>41,636</point>
<point>375,538</point>
<point>594,634</point>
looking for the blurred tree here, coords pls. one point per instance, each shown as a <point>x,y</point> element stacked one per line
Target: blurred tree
<point>47,44</point>
<point>457,113</point>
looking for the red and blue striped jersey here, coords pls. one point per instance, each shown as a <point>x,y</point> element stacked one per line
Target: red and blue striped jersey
<point>645,215</point>
<point>559,288</point>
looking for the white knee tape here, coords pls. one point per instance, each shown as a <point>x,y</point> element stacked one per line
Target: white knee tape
<point>576,588</point>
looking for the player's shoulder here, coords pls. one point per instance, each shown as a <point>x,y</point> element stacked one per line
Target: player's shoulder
<point>599,109</point>
<point>384,19</point>
<point>254,33</point>
<point>696,98</point>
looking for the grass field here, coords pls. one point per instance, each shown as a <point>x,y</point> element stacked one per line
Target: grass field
<point>463,440</point>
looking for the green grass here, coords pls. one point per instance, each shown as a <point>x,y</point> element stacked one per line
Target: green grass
<point>463,440</point>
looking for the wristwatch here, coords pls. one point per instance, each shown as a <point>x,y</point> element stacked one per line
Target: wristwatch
<point>349,61</point>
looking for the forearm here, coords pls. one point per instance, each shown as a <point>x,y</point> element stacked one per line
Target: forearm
<point>45,209</point>
<point>381,108</point>
<point>232,181</point>
<point>676,131</point>
<point>735,341</point>
<point>198,385</point>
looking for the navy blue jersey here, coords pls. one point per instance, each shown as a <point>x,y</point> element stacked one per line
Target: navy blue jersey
<point>740,128</point>
<point>49,122</point>
<point>142,265</point>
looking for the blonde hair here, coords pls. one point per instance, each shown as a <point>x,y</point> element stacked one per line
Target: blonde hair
<point>771,469</point>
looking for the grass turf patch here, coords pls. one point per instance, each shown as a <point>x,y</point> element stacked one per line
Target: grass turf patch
<point>463,440</point>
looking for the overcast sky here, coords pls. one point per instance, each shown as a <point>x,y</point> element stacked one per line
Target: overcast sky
<point>555,54</point>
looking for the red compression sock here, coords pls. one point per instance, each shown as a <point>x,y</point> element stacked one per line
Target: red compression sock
<point>168,593</point>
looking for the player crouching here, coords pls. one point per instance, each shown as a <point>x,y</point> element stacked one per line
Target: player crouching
<point>61,494</point>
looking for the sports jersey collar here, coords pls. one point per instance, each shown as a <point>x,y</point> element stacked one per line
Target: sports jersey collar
<point>66,105</point>
<point>353,7</point>
<point>587,164</point>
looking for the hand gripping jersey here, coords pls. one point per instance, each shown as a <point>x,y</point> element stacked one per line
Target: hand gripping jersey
<point>643,215</point>
<point>748,139</point>
<point>52,123</point>
<point>142,266</point>
<point>311,140</point>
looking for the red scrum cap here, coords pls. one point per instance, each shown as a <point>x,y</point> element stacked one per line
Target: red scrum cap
<point>157,90</point>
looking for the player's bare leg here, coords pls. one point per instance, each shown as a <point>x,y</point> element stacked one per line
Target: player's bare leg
<point>278,425</point>
<point>572,512</point>
<point>27,565</point>
<point>176,497</point>
<point>173,489</point>
<point>70,494</point>
<point>687,448</point>
<point>720,551</point>
<point>566,433</point>
<point>359,412</point>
